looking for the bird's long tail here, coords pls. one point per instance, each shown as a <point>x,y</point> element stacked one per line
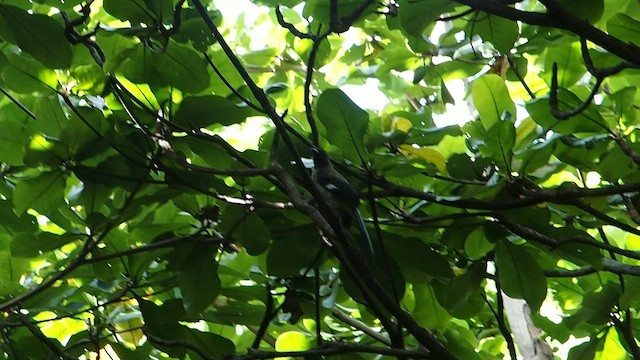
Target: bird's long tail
<point>363,231</point>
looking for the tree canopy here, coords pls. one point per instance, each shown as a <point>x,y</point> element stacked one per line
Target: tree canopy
<point>156,198</point>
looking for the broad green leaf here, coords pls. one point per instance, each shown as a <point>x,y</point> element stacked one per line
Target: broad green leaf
<point>13,139</point>
<point>215,345</point>
<point>25,75</point>
<point>589,120</point>
<point>415,16</point>
<point>428,312</point>
<point>263,57</point>
<point>162,322</point>
<point>502,33</point>
<point>418,260</point>
<point>320,10</point>
<point>499,141</point>
<point>197,33</point>
<point>570,65</point>
<point>623,100</point>
<point>292,251</point>
<point>345,123</point>
<point>202,111</point>
<point>12,269</point>
<point>462,167</point>
<point>10,223</point>
<point>198,279</point>
<point>51,117</point>
<point>137,11</point>
<point>238,312</point>
<point>246,228</point>
<point>628,297</point>
<point>589,10</point>
<point>183,68</point>
<point>613,348</point>
<point>476,245</point>
<point>458,345</point>
<point>40,36</point>
<point>44,194</point>
<point>519,274</point>
<point>274,3</point>
<point>60,4</point>
<point>586,350</point>
<point>29,245</point>
<point>463,296</point>
<point>596,307</point>
<point>491,99</point>
<point>624,27</point>
<point>30,347</point>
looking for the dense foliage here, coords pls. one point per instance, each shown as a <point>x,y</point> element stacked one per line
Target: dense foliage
<point>138,218</point>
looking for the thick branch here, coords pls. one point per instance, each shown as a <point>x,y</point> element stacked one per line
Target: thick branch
<point>565,21</point>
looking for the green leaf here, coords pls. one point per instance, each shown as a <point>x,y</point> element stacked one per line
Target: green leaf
<point>291,251</point>
<point>477,245</point>
<point>237,312</point>
<point>491,99</point>
<point>29,245</point>
<point>586,350</point>
<point>418,261</point>
<point>60,4</point>
<point>596,307</point>
<point>416,15</point>
<point>212,344</point>
<point>51,117</point>
<point>162,322</point>
<point>589,10</point>
<point>12,269</point>
<point>13,139</point>
<point>462,297</point>
<point>499,141</point>
<point>247,228</point>
<point>624,27</point>
<point>198,279</point>
<point>40,36</point>
<point>182,67</point>
<point>458,345</point>
<point>139,11</point>
<point>274,3</point>
<point>44,194</point>
<point>613,348</point>
<point>428,312</point>
<point>197,33</point>
<point>345,123</point>
<point>501,32</point>
<point>25,75</point>
<point>569,61</point>
<point>11,223</point>
<point>519,274</point>
<point>589,120</point>
<point>202,111</point>
<point>262,57</point>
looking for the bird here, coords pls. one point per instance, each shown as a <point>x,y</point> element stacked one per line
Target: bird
<point>339,194</point>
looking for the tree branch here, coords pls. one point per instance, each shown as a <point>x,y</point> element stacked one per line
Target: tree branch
<point>569,22</point>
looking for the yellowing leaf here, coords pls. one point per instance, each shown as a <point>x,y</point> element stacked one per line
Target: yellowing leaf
<point>129,329</point>
<point>526,127</point>
<point>402,124</point>
<point>293,341</point>
<point>40,143</point>
<point>430,155</point>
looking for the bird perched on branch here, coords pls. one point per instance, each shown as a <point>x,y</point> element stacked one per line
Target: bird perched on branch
<point>339,194</point>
